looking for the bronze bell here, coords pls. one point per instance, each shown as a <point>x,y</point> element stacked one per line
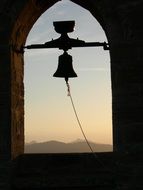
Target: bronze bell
<point>65,68</point>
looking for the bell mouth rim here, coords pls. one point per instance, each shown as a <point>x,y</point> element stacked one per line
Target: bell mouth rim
<point>65,76</point>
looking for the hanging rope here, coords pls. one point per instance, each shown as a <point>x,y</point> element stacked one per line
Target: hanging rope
<point>83,133</point>
<point>79,123</point>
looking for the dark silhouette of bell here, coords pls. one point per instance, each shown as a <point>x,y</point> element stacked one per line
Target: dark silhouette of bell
<point>65,68</point>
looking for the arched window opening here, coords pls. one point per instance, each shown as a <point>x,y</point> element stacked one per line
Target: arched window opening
<point>48,112</point>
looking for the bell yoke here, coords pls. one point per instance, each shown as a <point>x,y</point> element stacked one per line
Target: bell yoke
<point>64,42</point>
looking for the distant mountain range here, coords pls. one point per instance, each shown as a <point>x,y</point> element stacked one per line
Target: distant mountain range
<point>61,147</point>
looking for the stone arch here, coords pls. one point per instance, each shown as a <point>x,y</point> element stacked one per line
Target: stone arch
<point>25,21</point>
<point>122,30</point>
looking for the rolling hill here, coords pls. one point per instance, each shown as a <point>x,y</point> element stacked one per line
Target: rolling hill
<point>61,147</point>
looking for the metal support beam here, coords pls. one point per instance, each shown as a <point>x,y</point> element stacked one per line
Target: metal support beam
<point>77,43</point>
<point>64,42</point>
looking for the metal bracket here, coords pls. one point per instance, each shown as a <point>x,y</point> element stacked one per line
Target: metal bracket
<point>67,44</point>
<point>64,42</point>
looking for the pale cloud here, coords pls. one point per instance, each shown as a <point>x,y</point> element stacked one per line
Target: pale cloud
<point>47,34</point>
<point>60,13</point>
<point>93,69</point>
<point>39,52</point>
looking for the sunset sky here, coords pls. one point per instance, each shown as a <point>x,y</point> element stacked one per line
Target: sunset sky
<point>48,111</point>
